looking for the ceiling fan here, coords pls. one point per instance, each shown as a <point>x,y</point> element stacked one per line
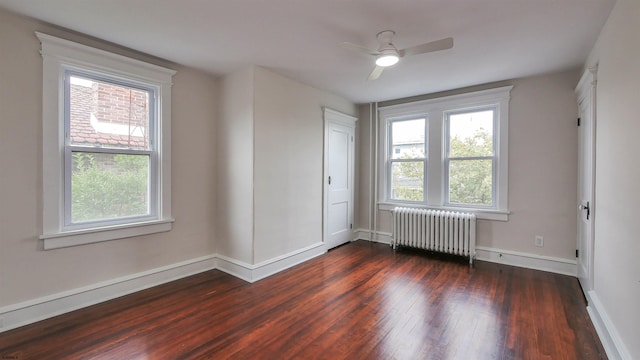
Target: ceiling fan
<point>387,54</point>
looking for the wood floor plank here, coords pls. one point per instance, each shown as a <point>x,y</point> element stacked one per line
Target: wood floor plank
<point>362,300</point>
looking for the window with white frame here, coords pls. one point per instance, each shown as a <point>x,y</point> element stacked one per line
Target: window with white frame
<point>106,145</point>
<point>470,160</point>
<point>407,159</point>
<point>449,153</point>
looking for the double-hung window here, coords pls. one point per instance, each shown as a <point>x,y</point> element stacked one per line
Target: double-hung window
<point>447,153</point>
<point>109,150</point>
<point>106,145</point>
<point>470,160</point>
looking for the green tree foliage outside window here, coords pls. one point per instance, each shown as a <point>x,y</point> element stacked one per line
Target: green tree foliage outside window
<point>106,186</point>
<point>471,180</point>
<point>407,180</point>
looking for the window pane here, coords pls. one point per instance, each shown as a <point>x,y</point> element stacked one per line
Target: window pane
<point>471,134</point>
<point>108,186</point>
<point>471,182</point>
<point>408,139</point>
<point>407,180</point>
<point>108,115</point>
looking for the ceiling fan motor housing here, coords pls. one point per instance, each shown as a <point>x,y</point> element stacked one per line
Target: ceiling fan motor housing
<point>385,36</point>
<point>388,53</point>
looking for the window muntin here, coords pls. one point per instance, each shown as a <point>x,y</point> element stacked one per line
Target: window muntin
<point>470,158</point>
<point>109,151</point>
<point>407,159</point>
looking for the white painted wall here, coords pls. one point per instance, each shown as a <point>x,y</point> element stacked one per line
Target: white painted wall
<point>235,152</point>
<point>26,271</point>
<point>617,229</point>
<point>543,142</point>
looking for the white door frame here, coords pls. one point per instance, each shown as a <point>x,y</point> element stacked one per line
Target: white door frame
<point>586,92</point>
<point>337,118</point>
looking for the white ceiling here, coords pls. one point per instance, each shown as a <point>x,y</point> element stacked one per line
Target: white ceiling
<point>494,39</point>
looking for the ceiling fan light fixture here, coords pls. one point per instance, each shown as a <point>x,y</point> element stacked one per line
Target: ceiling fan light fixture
<point>388,55</point>
<point>385,60</point>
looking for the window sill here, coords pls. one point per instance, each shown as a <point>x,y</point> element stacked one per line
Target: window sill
<point>481,214</point>
<point>88,236</point>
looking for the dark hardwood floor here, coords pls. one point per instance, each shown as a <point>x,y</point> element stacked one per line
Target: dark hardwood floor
<point>359,301</point>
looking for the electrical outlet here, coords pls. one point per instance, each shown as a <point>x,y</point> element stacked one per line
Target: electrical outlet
<point>539,241</point>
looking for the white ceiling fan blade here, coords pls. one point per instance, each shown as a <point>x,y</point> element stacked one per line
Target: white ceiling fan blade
<point>437,45</point>
<point>375,74</point>
<point>358,48</point>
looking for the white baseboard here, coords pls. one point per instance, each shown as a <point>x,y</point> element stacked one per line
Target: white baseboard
<point>529,261</point>
<point>253,273</point>
<point>613,345</point>
<point>378,236</point>
<point>283,262</point>
<point>31,311</point>
<point>237,268</point>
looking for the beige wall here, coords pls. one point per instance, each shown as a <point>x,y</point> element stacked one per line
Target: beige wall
<point>289,132</point>
<point>617,229</point>
<point>543,146</point>
<point>26,271</point>
<point>270,165</point>
<point>363,213</point>
<point>543,167</point>
<point>235,151</point>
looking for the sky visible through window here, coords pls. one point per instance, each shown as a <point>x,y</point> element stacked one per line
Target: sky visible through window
<point>409,131</point>
<point>466,125</point>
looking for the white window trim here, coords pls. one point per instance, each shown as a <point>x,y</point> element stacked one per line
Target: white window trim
<point>434,110</point>
<point>59,55</point>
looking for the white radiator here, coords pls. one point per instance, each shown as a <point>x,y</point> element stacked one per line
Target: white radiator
<point>450,232</point>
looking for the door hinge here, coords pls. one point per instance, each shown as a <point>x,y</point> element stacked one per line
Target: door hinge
<point>588,208</point>
<point>351,226</point>
<point>577,253</point>
<point>578,121</point>
<point>351,138</point>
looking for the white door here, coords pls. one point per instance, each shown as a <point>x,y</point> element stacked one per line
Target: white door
<point>586,189</point>
<point>338,178</point>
